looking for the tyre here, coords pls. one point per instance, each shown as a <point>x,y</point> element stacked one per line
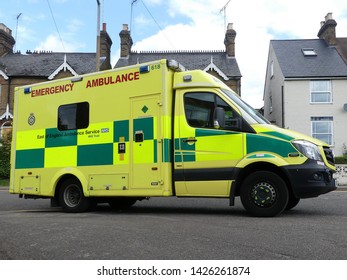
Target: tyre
<point>264,194</point>
<point>292,202</point>
<point>71,196</point>
<point>121,203</point>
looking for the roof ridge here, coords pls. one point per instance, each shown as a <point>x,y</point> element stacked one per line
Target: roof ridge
<point>283,40</point>
<point>176,51</point>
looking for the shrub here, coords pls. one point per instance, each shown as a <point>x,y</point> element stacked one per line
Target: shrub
<point>341,160</point>
<point>5,155</point>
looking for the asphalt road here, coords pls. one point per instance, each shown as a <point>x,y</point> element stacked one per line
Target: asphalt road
<point>173,228</point>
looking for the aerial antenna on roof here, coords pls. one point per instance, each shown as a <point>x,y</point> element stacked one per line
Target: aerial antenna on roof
<point>18,16</point>
<point>156,22</point>
<point>223,10</point>
<point>56,26</point>
<point>131,13</point>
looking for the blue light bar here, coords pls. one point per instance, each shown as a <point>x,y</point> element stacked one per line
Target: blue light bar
<point>144,69</point>
<point>27,90</point>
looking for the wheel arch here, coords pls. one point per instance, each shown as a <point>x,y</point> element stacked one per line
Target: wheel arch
<point>260,166</point>
<point>63,176</point>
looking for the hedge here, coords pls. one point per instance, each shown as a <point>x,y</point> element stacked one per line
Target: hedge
<point>5,154</point>
<point>341,160</point>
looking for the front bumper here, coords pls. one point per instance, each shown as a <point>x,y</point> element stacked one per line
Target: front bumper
<point>310,179</point>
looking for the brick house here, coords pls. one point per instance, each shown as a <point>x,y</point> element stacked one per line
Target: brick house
<point>221,64</point>
<point>18,69</point>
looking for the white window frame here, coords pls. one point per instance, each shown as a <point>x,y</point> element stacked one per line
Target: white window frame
<point>327,90</point>
<point>309,52</point>
<point>323,119</point>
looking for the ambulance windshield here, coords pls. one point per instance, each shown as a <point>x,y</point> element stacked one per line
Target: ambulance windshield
<point>248,113</point>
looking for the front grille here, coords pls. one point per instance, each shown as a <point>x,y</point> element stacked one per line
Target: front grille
<point>329,155</point>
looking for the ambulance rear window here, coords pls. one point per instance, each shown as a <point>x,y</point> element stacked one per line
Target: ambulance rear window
<point>73,116</point>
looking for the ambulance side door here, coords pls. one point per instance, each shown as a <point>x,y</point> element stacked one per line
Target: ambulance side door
<point>145,145</point>
<point>208,143</point>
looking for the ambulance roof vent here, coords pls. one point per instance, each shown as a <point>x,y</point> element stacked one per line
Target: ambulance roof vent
<point>175,66</point>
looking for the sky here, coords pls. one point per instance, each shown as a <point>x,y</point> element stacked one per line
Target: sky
<point>71,26</point>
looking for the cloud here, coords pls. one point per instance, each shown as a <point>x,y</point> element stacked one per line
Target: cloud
<point>53,43</point>
<point>74,26</point>
<point>201,27</point>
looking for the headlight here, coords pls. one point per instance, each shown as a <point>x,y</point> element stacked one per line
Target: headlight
<point>308,149</point>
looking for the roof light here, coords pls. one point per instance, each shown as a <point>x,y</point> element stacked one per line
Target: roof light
<point>144,69</point>
<point>76,79</point>
<point>175,66</point>
<point>309,52</point>
<point>187,78</point>
<point>27,90</point>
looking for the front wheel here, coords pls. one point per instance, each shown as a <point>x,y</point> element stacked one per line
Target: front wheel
<point>264,194</point>
<point>71,196</point>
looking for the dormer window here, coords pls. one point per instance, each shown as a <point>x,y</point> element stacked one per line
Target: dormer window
<point>309,52</point>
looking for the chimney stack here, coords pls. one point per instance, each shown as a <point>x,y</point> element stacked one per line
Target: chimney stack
<point>327,30</point>
<point>105,48</point>
<point>6,40</point>
<point>229,40</point>
<point>125,41</point>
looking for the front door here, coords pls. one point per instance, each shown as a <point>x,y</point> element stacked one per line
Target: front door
<point>208,144</point>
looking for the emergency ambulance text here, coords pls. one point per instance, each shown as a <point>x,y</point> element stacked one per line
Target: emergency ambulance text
<point>52,90</point>
<point>104,81</point>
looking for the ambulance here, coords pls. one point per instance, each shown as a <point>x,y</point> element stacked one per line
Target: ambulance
<point>157,130</point>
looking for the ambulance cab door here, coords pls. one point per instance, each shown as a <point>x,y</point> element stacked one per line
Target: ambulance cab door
<point>208,144</point>
<point>145,142</point>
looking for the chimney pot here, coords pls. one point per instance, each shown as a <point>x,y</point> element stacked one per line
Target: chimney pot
<point>125,27</point>
<point>104,26</point>
<point>329,16</point>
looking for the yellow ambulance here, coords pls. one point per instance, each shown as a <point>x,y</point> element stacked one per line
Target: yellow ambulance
<point>157,130</point>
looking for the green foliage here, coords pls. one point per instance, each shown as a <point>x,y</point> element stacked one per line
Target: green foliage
<point>5,155</point>
<point>341,160</point>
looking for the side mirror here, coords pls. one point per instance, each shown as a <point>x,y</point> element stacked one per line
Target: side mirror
<point>219,117</point>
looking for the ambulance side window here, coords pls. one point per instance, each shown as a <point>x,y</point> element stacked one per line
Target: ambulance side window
<point>200,110</point>
<point>73,116</point>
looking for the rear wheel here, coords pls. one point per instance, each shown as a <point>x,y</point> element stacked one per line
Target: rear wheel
<point>264,194</point>
<point>71,196</point>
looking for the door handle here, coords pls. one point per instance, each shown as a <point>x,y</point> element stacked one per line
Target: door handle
<point>189,140</point>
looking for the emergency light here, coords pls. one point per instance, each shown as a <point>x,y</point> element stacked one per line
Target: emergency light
<point>144,69</point>
<point>27,90</point>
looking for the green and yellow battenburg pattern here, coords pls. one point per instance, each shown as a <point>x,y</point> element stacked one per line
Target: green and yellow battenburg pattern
<point>99,145</point>
<point>96,145</point>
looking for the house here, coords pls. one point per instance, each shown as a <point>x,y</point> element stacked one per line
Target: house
<point>221,64</point>
<point>305,86</point>
<point>18,69</point>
